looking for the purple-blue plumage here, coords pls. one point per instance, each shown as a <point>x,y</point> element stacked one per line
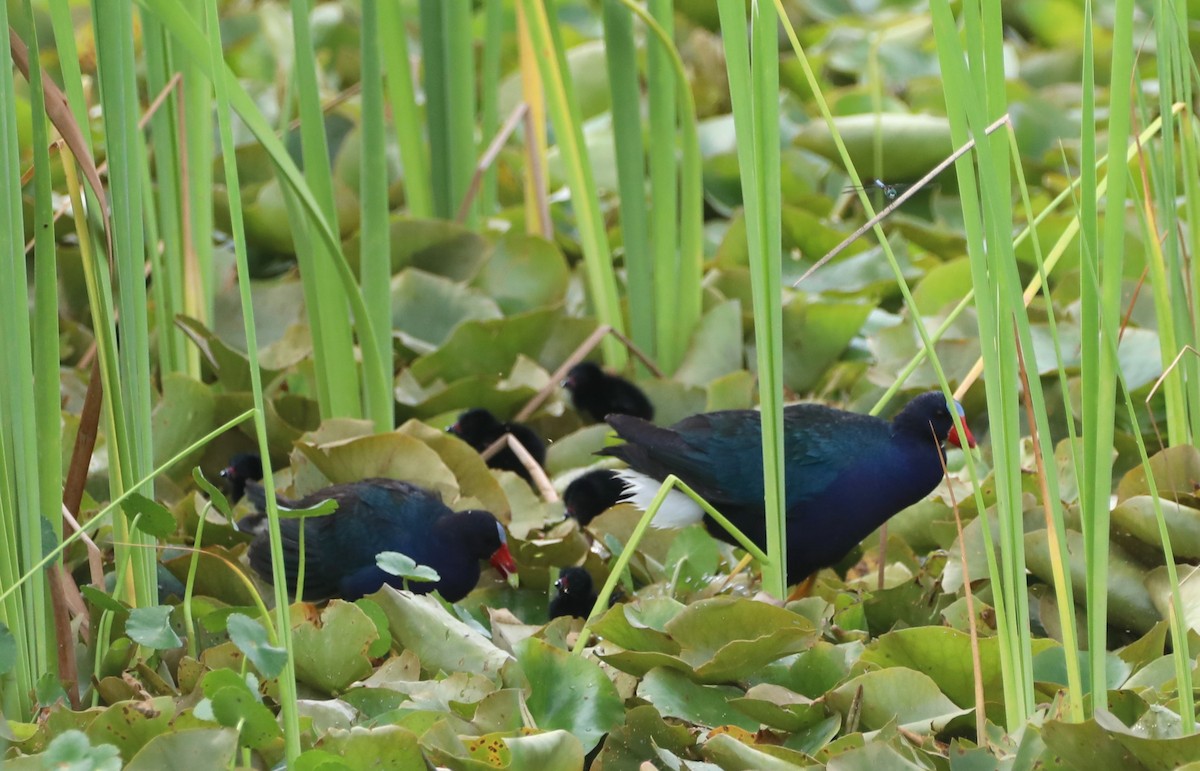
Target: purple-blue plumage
<point>378,515</point>
<point>845,474</point>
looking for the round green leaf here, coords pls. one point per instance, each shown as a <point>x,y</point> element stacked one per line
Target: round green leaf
<point>152,627</point>
<point>675,695</point>
<point>237,707</point>
<point>524,272</point>
<point>568,692</point>
<point>331,651</point>
<point>197,748</point>
<point>894,694</point>
<point>402,565</point>
<point>426,308</point>
<point>251,638</point>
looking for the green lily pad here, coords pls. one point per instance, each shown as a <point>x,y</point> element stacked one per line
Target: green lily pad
<point>151,517</point>
<point>239,709</point>
<point>674,694</point>
<point>70,749</point>
<point>441,247</point>
<point>728,638</point>
<point>1175,470</point>
<point>231,366</point>
<point>568,692</point>
<point>577,449</point>
<point>251,638</point>
<point>815,334</point>
<point>131,725</point>
<point>944,655</point>
<point>152,627</point>
<point>555,750</point>
<point>893,694</point>
<point>717,347</point>
<point>191,748</point>
<point>1105,743</point>
<point>640,738</point>
<point>523,273</point>
<point>381,747</point>
<point>1158,583</point>
<point>331,648</point>
<point>1136,516</point>
<point>779,708</point>
<point>473,476</point>
<point>912,144</point>
<point>1129,604</point>
<point>727,752</point>
<point>185,412</point>
<point>218,575</point>
<point>640,626</point>
<point>493,345</point>
<point>441,642</point>
<point>426,308</point>
<point>390,456</point>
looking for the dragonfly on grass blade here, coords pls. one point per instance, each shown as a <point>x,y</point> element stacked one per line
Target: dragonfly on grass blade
<point>890,192</point>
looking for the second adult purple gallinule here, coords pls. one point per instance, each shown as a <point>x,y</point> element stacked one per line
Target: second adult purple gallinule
<point>845,474</point>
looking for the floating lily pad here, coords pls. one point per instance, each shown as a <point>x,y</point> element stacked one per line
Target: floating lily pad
<point>568,692</point>
<point>426,308</point>
<point>1129,604</point>
<point>382,747</point>
<point>331,647</point>
<point>675,695</point>
<point>523,273</point>
<point>899,694</point>
<point>440,641</point>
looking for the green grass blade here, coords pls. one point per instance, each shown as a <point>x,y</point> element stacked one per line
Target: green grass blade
<point>287,678</point>
<point>376,261</point>
<point>568,130</point>
<point>333,348</point>
<point>410,136</point>
<point>621,60</point>
<point>754,87</point>
<point>116,70</point>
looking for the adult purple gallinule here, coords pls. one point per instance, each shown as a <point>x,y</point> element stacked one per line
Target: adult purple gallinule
<point>599,394</point>
<point>845,473</point>
<point>378,515</point>
<point>480,428</point>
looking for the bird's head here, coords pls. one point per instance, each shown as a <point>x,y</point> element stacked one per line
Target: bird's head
<point>931,412</point>
<point>581,374</point>
<point>244,466</point>
<point>476,422</point>
<point>575,581</point>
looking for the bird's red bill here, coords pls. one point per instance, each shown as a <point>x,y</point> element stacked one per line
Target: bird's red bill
<point>502,560</point>
<point>956,440</point>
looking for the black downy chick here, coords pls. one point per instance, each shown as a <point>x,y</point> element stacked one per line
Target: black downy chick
<point>480,428</point>
<point>592,494</point>
<point>243,467</point>
<point>598,394</point>
<point>575,594</point>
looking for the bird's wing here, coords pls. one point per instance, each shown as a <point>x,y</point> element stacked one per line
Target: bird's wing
<point>820,443</point>
<point>716,454</point>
